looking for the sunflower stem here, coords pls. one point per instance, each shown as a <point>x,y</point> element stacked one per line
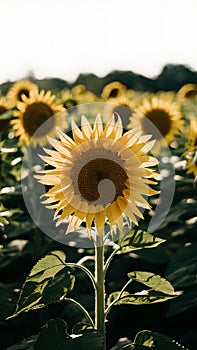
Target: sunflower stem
<point>86,270</point>
<point>110,259</point>
<point>85,312</point>
<point>100,289</point>
<point>117,299</point>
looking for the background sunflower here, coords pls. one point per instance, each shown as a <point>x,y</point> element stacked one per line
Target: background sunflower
<point>34,111</point>
<point>160,117</point>
<point>18,89</point>
<point>191,148</point>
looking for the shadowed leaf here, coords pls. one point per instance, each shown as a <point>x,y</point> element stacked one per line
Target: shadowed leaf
<point>137,239</point>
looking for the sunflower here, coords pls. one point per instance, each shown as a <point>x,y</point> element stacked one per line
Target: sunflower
<point>113,90</point>
<point>188,91</point>
<point>81,94</point>
<point>99,176</point>
<point>4,123</point>
<point>32,113</point>
<point>78,95</point>
<point>191,148</point>
<point>160,117</point>
<point>120,106</point>
<point>18,89</point>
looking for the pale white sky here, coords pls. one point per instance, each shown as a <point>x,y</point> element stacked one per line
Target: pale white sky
<point>62,38</point>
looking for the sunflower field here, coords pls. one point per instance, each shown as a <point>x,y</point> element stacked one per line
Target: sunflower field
<point>98,216</point>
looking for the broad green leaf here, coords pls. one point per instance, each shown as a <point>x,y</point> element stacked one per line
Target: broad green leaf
<point>156,341</point>
<point>55,332</point>
<point>80,327</point>
<point>50,264</point>
<point>132,347</point>
<point>44,285</point>
<point>6,115</point>
<point>187,300</point>
<point>144,297</point>
<point>153,281</point>
<point>138,239</point>
<point>3,221</point>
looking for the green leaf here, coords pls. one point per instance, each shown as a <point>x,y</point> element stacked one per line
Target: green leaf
<point>137,239</point>
<point>44,285</point>
<point>156,341</point>
<point>80,327</point>
<point>3,221</point>
<point>55,332</point>
<point>6,115</point>
<point>153,281</point>
<point>142,298</point>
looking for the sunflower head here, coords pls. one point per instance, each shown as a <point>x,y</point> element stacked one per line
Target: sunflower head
<point>37,117</point>
<point>188,91</point>
<point>113,90</point>
<point>120,106</point>
<point>191,148</point>
<point>81,94</point>
<point>18,90</point>
<point>100,176</point>
<point>160,117</point>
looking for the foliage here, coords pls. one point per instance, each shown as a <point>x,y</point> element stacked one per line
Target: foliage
<point>42,287</point>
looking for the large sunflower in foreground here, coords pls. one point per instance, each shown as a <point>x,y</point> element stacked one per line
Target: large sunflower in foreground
<point>99,176</point>
<point>191,148</point>
<point>18,89</point>
<point>33,112</point>
<point>160,117</point>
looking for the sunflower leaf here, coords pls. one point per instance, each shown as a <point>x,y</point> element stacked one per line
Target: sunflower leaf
<point>6,115</point>
<point>55,332</point>
<point>155,282</point>
<point>142,298</point>
<point>45,284</point>
<point>138,239</point>
<point>156,341</point>
<point>3,221</point>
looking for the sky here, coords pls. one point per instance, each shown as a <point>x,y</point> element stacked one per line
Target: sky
<point>63,38</point>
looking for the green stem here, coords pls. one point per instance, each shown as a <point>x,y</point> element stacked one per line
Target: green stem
<point>118,298</point>
<point>100,289</point>
<point>82,309</point>
<point>110,259</point>
<point>85,258</point>
<point>85,269</point>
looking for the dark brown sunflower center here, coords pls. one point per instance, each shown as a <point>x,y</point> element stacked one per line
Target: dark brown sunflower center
<point>94,172</point>
<point>160,119</point>
<point>70,103</point>
<point>2,109</point>
<point>191,94</point>
<point>23,92</point>
<point>114,92</point>
<point>35,115</point>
